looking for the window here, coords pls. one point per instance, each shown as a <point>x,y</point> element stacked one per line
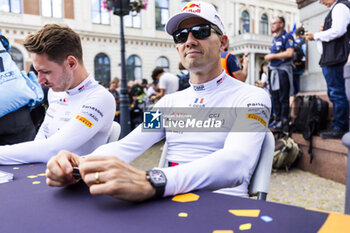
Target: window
<point>162,13</point>
<point>17,57</point>
<point>245,22</point>
<point>51,8</point>
<point>102,66</point>
<point>98,13</point>
<point>13,6</point>
<point>163,62</point>
<point>133,20</point>
<point>134,68</point>
<point>264,25</point>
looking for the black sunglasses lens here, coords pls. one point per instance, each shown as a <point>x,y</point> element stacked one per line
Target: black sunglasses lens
<point>201,32</point>
<point>181,36</point>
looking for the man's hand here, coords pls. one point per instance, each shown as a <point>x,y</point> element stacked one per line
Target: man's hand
<point>153,98</point>
<point>309,36</point>
<point>111,176</point>
<point>245,59</point>
<point>60,168</point>
<point>243,73</point>
<point>321,27</point>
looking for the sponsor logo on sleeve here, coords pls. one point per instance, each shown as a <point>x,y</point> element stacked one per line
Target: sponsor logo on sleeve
<point>84,121</point>
<point>257,118</point>
<point>93,117</point>
<point>290,42</point>
<point>93,109</point>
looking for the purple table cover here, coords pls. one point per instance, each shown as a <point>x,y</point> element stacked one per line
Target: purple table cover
<point>34,208</point>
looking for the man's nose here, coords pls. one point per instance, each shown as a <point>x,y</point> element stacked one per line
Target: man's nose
<point>41,78</point>
<point>191,39</point>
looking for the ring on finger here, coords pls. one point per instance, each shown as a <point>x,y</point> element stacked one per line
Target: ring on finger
<point>97,177</point>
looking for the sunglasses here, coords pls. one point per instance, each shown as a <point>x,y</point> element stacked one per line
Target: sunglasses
<point>199,32</point>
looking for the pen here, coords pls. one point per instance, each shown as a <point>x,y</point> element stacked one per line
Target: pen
<point>76,173</point>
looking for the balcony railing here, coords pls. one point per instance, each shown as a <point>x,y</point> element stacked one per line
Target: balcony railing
<point>249,42</point>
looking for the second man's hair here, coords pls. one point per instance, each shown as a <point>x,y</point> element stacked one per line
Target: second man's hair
<point>58,42</point>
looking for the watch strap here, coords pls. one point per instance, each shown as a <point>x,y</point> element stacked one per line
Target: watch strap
<point>160,188</point>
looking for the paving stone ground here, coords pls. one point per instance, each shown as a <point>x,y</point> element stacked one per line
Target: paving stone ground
<point>300,188</point>
<point>295,187</point>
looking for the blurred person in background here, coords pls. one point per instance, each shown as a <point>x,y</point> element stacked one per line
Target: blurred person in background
<point>280,72</point>
<point>114,90</point>
<point>334,36</point>
<point>167,83</point>
<point>299,58</point>
<point>19,93</point>
<point>230,63</point>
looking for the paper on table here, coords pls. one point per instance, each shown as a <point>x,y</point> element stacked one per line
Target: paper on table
<point>5,177</point>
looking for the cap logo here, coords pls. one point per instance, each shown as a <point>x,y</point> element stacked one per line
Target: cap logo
<point>192,8</point>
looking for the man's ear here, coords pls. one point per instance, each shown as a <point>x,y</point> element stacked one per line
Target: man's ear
<point>224,42</point>
<point>72,62</point>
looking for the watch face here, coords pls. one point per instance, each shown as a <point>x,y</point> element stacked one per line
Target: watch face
<point>157,177</point>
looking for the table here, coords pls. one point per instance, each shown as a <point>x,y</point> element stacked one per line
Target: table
<point>28,205</point>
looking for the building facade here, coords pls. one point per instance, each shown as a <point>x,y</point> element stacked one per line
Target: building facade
<point>248,26</point>
<point>247,23</point>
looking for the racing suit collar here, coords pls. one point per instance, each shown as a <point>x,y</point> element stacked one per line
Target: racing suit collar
<point>210,85</point>
<point>82,86</point>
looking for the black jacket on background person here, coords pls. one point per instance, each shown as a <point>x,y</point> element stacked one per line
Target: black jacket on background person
<point>335,52</point>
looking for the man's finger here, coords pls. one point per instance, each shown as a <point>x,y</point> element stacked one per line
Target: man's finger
<point>87,167</point>
<point>54,169</point>
<point>99,163</point>
<point>67,160</point>
<point>104,189</point>
<point>96,177</point>
<point>52,175</point>
<point>54,183</point>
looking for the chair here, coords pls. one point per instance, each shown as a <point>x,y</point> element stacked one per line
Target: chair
<point>260,180</point>
<point>114,132</point>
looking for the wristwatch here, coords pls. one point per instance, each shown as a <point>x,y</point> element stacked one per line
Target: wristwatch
<point>158,180</point>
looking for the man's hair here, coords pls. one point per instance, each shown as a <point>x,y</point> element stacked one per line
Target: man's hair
<point>58,42</point>
<point>300,31</point>
<point>156,72</point>
<point>261,68</point>
<point>281,18</point>
<point>144,81</point>
<point>114,80</point>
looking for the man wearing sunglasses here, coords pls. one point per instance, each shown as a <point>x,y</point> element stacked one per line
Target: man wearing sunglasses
<point>222,160</point>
